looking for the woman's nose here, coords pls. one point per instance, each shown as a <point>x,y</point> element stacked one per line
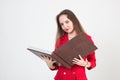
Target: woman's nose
<point>65,25</point>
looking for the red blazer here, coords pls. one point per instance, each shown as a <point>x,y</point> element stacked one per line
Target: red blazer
<point>76,72</point>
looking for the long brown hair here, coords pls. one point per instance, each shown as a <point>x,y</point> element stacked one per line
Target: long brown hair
<point>70,15</point>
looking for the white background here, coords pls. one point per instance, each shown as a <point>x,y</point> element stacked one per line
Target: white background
<point>25,23</point>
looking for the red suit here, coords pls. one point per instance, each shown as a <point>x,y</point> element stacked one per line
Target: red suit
<point>76,72</point>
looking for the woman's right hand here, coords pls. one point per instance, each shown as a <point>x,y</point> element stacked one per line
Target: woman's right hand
<point>49,61</point>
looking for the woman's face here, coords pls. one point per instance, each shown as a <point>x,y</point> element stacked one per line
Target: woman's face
<point>66,24</point>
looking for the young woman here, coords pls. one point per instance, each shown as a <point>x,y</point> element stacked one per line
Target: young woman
<point>68,27</point>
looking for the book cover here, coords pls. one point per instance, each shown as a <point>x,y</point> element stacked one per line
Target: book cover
<point>79,45</point>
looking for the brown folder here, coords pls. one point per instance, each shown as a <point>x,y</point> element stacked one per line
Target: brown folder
<point>65,54</point>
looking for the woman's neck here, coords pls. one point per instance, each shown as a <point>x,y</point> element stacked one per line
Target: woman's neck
<point>71,35</point>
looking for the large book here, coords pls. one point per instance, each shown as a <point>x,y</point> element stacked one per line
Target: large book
<point>79,45</point>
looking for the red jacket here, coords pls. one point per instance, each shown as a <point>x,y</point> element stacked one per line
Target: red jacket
<point>76,72</point>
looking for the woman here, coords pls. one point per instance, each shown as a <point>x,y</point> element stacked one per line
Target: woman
<point>68,28</point>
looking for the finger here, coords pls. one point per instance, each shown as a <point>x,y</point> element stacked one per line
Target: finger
<point>74,62</point>
<point>80,57</point>
<point>76,59</point>
<point>42,57</point>
<point>50,58</point>
<point>54,61</point>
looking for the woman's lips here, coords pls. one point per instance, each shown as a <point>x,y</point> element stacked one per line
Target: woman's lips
<point>66,29</point>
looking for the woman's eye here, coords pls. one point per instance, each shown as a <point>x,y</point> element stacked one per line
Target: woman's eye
<point>61,24</point>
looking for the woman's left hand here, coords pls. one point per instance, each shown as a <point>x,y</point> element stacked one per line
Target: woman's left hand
<point>80,62</point>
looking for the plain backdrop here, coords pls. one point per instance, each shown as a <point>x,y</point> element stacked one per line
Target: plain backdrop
<point>25,23</point>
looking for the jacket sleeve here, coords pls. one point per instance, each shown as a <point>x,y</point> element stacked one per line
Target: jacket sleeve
<point>91,57</point>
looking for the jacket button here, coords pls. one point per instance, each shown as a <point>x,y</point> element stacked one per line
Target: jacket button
<point>64,73</point>
<point>73,72</point>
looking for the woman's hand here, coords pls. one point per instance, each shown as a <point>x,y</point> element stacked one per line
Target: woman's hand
<point>49,61</point>
<point>81,62</point>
